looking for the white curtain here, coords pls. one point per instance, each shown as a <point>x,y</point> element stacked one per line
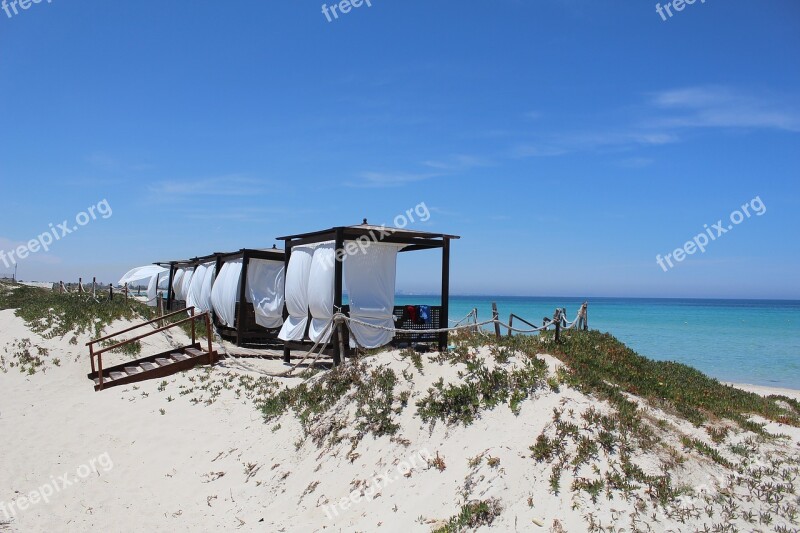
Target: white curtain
<point>370,277</point>
<point>141,273</point>
<point>265,291</point>
<point>150,274</point>
<point>177,283</point>
<point>208,284</point>
<point>186,282</point>
<point>152,290</point>
<point>195,286</point>
<point>297,293</point>
<point>199,295</point>
<point>320,291</point>
<point>225,292</point>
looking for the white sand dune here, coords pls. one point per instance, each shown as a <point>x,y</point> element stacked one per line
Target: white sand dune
<point>208,461</point>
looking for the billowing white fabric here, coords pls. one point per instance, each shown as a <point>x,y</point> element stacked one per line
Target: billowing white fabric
<point>152,290</point>
<point>208,284</point>
<point>177,283</point>
<point>265,291</point>
<point>320,291</point>
<point>370,277</point>
<point>157,285</point>
<point>141,274</point>
<point>149,274</point>
<point>197,296</point>
<point>186,282</point>
<point>225,292</point>
<point>296,293</point>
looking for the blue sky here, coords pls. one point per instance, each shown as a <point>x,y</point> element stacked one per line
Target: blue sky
<point>567,142</point>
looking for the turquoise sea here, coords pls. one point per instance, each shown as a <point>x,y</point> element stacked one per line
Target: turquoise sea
<point>743,341</point>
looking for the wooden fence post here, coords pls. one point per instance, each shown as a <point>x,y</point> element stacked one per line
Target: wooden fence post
<point>80,285</point>
<point>558,329</point>
<point>585,316</point>
<point>94,287</point>
<point>160,309</point>
<point>496,318</point>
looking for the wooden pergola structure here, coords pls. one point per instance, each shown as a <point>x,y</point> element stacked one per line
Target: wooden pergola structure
<point>413,241</point>
<point>246,330</point>
<point>174,266</point>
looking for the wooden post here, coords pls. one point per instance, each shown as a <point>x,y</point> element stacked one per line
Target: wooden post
<point>510,324</point>
<point>110,292</point>
<point>94,287</point>
<point>287,352</point>
<point>496,318</point>
<point>170,292</point>
<point>340,336</point>
<point>125,290</point>
<point>100,369</point>
<point>339,351</point>
<point>240,321</point>
<point>444,314</point>
<point>91,356</point>
<point>208,333</point>
<point>159,310</point>
<point>585,316</point>
<point>193,333</point>
<point>557,320</point>
<point>80,285</point>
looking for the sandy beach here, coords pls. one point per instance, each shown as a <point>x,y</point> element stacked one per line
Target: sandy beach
<point>192,452</point>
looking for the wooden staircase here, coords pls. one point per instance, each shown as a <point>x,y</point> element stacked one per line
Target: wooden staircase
<point>154,366</point>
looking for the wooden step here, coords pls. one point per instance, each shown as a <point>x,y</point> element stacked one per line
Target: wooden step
<point>153,367</point>
<point>178,356</point>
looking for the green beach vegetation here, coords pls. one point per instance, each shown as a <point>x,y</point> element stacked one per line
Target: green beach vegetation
<point>646,421</point>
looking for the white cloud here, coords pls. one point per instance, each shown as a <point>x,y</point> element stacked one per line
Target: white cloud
<point>388,179</point>
<point>723,107</point>
<point>228,185</point>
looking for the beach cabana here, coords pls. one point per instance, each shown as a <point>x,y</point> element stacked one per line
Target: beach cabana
<point>260,318</point>
<point>196,282</point>
<point>180,278</point>
<point>318,264</point>
<point>155,276</point>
